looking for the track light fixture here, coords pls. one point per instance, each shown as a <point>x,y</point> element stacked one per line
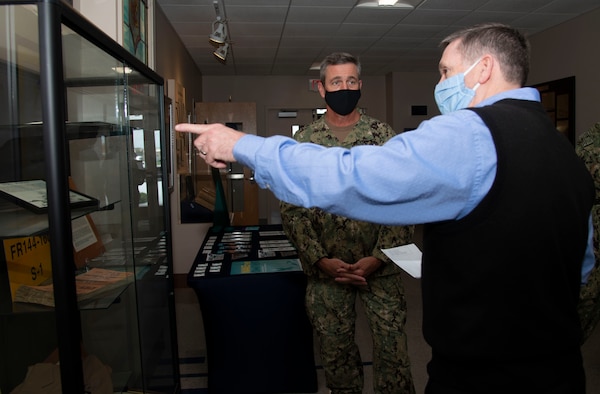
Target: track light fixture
<point>221,52</point>
<point>219,32</point>
<point>219,36</point>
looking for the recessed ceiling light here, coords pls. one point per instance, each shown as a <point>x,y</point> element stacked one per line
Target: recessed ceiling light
<point>406,4</point>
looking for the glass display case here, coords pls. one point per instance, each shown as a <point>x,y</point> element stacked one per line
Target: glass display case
<point>86,284</point>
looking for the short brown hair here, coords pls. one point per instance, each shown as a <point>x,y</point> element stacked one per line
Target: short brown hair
<point>338,58</point>
<point>507,44</point>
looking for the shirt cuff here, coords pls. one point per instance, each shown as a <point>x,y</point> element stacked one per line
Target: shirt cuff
<point>245,149</point>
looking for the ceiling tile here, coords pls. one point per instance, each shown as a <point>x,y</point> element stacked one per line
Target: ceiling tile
<point>284,37</point>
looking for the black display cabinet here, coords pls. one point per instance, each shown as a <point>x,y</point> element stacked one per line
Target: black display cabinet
<point>250,286</point>
<point>86,284</point>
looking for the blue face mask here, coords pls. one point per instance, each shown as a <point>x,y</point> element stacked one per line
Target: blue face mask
<point>451,94</point>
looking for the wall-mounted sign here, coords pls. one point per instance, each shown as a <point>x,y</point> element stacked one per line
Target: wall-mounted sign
<point>313,85</point>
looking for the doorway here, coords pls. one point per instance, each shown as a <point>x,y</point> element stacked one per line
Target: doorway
<point>240,192</point>
<point>279,122</point>
<point>558,99</point>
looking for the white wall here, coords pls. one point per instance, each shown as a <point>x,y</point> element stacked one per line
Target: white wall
<point>107,15</point>
<point>292,92</point>
<point>285,92</point>
<point>571,49</point>
<point>408,89</point>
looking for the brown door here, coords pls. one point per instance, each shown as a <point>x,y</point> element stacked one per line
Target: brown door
<point>241,192</point>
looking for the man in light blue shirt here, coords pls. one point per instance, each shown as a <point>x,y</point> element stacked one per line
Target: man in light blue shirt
<point>507,210</point>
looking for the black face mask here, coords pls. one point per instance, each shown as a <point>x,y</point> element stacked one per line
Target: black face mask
<point>342,102</point>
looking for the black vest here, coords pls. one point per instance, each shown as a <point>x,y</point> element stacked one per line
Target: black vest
<point>502,284</point>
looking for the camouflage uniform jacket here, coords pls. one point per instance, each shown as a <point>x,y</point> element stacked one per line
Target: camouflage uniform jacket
<point>588,149</point>
<point>318,234</point>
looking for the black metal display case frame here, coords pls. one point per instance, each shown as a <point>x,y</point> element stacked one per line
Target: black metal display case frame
<point>145,334</point>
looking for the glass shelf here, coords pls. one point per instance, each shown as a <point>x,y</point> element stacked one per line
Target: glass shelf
<point>16,221</point>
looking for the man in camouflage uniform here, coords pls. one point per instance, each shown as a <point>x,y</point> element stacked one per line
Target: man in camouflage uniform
<point>342,257</point>
<point>588,148</point>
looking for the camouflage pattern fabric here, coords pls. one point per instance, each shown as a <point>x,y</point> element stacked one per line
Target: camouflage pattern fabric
<point>588,148</point>
<point>331,306</point>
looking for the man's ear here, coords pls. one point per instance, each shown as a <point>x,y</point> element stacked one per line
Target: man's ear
<point>321,89</point>
<point>488,62</point>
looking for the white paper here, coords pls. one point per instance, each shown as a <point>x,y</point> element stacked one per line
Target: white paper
<point>83,234</point>
<point>407,257</point>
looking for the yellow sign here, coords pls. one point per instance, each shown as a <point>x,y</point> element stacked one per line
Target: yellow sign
<point>246,267</point>
<point>28,260</point>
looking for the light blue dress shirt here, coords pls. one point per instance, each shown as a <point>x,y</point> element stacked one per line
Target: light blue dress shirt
<point>439,171</point>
